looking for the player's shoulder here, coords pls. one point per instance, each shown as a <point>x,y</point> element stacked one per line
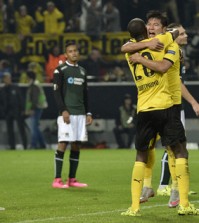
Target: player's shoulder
<point>164,36</point>
<point>174,45</point>
<point>174,49</point>
<point>60,68</point>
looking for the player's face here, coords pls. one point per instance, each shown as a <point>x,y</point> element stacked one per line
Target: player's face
<point>182,38</point>
<point>72,54</point>
<point>154,27</point>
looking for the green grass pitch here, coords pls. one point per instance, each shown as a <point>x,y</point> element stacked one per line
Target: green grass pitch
<point>27,195</point>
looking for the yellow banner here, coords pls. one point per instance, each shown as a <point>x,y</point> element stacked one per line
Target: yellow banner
<point>32,46</point>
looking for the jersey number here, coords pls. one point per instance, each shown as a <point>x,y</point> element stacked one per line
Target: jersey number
<point>147,72</point>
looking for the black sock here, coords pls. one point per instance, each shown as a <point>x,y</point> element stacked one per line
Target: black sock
<point>74,161</point>
<point>59,157</point>
<point>165,173</point>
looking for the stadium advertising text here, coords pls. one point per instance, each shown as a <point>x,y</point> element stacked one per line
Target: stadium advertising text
<point>32,47</point>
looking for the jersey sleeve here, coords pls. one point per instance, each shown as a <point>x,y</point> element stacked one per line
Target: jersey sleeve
<point>172,53</point>
<point>58,90</point>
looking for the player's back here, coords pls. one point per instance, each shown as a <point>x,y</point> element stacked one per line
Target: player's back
<point>153,90</point>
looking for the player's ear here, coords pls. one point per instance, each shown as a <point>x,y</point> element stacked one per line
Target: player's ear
<point>164,29</point>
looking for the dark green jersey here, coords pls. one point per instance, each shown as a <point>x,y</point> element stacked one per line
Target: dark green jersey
<point>70,89</point>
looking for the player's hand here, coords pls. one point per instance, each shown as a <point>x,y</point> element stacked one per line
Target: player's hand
<point>89,119</point>
<point>134,58</point>
<point>195,107</point>
<point>66,117</point>
<point>155,45</point>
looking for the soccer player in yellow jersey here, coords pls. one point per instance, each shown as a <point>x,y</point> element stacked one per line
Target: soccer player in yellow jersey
<point>150,121</point>
<point>156,23</point>
<point>154,109</point>
<point>175,88</point>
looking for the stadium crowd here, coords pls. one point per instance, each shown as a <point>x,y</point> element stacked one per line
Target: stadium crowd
<point>91,17</point>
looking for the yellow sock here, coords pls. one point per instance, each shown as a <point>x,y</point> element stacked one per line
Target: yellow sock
<point>182,174</point>
<point>149,168</point>
<point>137,183</point>
<point>172,168</point>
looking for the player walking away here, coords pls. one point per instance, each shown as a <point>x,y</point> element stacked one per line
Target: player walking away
<point>70,90</point>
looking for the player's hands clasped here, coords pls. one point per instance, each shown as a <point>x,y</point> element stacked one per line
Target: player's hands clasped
<point>66,117</point>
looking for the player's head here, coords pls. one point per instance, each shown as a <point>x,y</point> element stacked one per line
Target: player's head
<point>137,29</point>
<point>156,23</point>
<point>71,52</point>
<point>182,38</point>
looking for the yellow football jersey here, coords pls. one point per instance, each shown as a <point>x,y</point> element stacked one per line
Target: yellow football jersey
<point>153,89</point>
<point>173,54</point>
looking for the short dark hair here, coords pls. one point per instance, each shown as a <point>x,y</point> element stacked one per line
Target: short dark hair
<point>174,25</point>
<point>70,43</point>
<point>31,75</point>
<point>137,28</point>
<point>158,15</point>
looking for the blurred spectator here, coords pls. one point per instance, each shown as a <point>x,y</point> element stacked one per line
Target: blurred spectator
<point>111,17</point>
<point>4,67</point>
<point>93,20</point>
<point>73,25</point>
<point>10,21</point>
<point>53,20</point>
<point>191,74</point>
<point>12,58</point>
<point>35,103</point>
<point>72,12</point>
<point>3,16</point>
<point>125,126</point>
<point>24,22</point>
<point>117,74</point>
<point>53,59</point>
<point>171,8</point>
<point>13,107</point>
<point>84,5</point>
<point>192,50</point>
<point>187,11</point>
<point>37,69</point>
<point>95,65</point>
<point>39,18</point>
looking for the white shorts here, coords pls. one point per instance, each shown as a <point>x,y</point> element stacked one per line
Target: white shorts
<point>75,131</point>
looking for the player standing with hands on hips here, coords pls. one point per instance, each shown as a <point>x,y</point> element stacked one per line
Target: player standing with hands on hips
<point>70,91</point>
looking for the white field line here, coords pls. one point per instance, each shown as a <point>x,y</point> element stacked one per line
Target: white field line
<point>74,218</point>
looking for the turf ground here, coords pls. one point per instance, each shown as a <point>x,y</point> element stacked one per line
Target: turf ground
<point>26,193</point>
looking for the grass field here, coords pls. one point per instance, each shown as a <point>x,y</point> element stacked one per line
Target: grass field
<point>26,193</point>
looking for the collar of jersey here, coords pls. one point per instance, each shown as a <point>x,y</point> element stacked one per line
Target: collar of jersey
<point>70,64</point>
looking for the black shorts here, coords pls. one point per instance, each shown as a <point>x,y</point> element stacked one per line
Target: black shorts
<point>174,130</point>
<point>164,122</point>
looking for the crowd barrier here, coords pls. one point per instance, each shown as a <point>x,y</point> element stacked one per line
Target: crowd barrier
<point>106,97</point>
